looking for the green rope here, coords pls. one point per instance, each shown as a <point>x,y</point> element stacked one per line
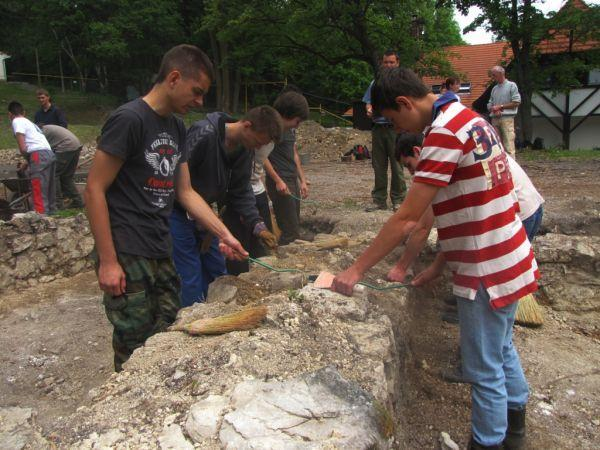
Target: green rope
<point>274,269</point>
<point>384,288</point>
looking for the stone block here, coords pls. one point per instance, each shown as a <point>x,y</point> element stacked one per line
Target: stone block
<point>45,240</point>
<point>317,410</point>
<point>204,417</point>
<point>172,438</point>
<point>222,290</point>
<point>22,243</point>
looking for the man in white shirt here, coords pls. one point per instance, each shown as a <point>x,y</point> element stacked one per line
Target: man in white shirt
<point>503,106</point>
<point>34,147</point>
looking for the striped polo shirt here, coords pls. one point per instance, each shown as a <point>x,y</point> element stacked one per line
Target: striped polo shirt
<point>479,231</point>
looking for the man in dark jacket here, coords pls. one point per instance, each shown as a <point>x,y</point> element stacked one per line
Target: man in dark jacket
<point>48,114</point>
<point>221,152</point>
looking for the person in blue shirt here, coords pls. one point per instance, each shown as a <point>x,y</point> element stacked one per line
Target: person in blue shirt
<point>383,144</point>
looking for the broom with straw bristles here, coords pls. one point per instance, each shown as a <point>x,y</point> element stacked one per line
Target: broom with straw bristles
<point>245,319</point>
<point>529,313</point>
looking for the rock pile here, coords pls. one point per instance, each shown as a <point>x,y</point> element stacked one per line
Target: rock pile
<point>323,371</point>
<point>37,249</point>
<point>328,144</point>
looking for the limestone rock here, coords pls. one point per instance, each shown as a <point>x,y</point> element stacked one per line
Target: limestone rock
<point>25,266</point>
<point>172,438</point>
<point>204,417</point>
<point>45,240</point>
<point>22,243</point>
<point>322,302</point>
<point>315,411</point>
<point>222,290</point>
<point>17,431</point>
<point>280,281</point>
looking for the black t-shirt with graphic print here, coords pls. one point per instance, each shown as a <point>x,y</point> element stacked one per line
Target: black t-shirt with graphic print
<point>141,197</point>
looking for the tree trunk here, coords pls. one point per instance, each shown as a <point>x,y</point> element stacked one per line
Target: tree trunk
<point>217,65</point>
<point>226,89</point>
<point>62,77</point>
<point>236,90</point>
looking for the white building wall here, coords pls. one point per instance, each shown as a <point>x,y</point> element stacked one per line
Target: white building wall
<point>587,135</point>
<point>3,58</point>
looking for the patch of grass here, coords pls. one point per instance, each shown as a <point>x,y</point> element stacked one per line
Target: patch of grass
<point>349,203</point>
<point>558,153</point>
<point>64,213</point>
<point>385,420</point>
<point>295,296</point>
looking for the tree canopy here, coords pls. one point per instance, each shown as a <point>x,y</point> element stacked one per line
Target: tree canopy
<point>326,47</point>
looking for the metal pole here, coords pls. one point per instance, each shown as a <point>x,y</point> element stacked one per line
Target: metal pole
<point>246,97</point>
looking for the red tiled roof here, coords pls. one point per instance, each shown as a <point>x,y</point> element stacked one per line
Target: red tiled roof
<point>472,63</point>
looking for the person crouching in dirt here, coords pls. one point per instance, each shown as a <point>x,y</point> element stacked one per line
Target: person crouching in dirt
<point>138,169</point>
<point>284,169</point>
<point>408,152</point>
<point>469,187</point>
<point>221,152</point>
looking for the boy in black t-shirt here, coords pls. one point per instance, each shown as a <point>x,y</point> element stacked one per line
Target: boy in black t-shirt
<point>284,169</point>
<point>138,169</point>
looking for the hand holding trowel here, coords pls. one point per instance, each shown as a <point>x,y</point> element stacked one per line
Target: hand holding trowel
<point>325,280</point>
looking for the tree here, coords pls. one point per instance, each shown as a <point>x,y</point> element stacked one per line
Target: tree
<point>524,26</point>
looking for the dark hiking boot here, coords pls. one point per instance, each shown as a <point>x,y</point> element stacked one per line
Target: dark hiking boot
<point>453,375</point>
<point>477,446</point>
<point>450,301</point>
<point>515,433</point>
<point>375,207</point>
<point>450,317</point>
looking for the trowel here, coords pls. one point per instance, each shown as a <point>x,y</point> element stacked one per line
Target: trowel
<point>325,279</point>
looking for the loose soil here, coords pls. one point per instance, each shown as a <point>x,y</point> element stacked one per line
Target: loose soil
<point>56,339</point>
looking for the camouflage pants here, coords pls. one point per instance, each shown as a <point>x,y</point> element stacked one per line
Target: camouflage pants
<point>149,306</point>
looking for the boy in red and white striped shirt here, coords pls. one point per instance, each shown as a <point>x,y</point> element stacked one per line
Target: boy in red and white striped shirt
<point>463,173</point>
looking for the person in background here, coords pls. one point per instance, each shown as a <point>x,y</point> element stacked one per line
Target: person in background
<point>48,114</point>
<point>66,148</point>
<point>503,107</point>
<point>39,159</point>
<point>285,174</point>
<point>382,156</point>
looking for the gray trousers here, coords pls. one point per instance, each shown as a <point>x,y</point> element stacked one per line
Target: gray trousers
<point>286,209</point>
<point>42,165</point>
<point>382,157</point>
<point>66,164</point>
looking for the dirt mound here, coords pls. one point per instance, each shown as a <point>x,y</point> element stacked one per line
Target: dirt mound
<point>327,144</point>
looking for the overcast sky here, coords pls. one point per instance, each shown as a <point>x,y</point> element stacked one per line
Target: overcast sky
<point>480,36</point>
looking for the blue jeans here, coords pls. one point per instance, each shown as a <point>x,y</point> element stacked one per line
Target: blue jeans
<point>196,270</point>
<point>533,222</point>
<point>491,364</point>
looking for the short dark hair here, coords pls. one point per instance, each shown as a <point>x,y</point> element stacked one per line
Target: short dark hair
<point>292,104</point>
<point>450,81</point>
<point>390,52</point>
<point>187,59</point>
<point>265,119</point>
<point>42,91</point>
<point>16,109</point>
<point>405,142</point>
<point>395,82</point>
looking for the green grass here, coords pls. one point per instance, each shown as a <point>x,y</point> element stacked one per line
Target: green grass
<point>85,112</point>
<point>63,213</point>
<point>556,153</point>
